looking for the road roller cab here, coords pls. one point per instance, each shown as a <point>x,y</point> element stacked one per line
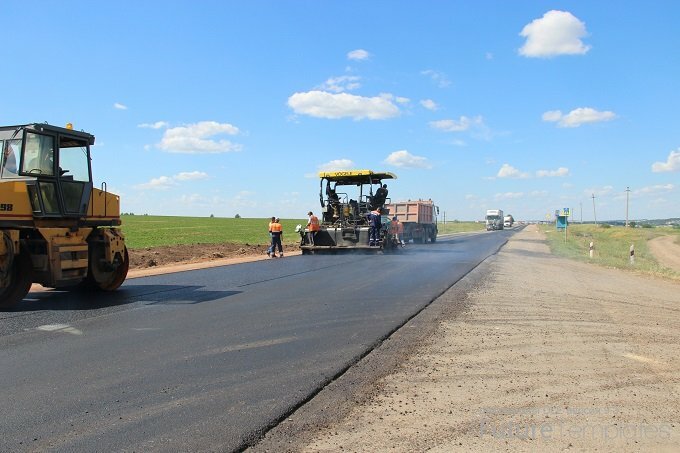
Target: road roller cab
<point>57,229</point>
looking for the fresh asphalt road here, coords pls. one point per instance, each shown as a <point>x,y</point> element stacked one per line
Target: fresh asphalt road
<point>207,359</point>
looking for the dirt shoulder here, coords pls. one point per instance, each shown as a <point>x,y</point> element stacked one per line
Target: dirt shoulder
<point>547,355</point>
<point>666,251</point>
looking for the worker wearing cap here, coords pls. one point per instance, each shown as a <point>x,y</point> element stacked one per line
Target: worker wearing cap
<point>375,223</point>
<point>269,249</point>
<point>277,235</point>
<point>313,226</point>
<point>397,230</point>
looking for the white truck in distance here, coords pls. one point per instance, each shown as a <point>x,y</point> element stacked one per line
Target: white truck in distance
<point>508,221</point>
<point>494,219</point>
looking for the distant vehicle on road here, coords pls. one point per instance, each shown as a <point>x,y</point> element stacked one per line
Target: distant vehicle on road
<point>508,221</point>
<point>494,219</point>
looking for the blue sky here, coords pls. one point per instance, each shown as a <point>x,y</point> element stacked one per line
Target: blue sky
<point>226,107</point>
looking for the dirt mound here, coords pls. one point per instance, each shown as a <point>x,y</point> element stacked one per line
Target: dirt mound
<point>176,254</point>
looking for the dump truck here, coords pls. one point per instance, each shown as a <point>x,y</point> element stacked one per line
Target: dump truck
<point>57,229</point>
<point>494,219</point>
<point>347,198</point>
<point>419,219</point>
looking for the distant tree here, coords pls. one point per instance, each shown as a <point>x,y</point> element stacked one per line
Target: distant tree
<point>605,225</point>
<point>237,216</point>
<point>647,225</point>
<point>632,224</point>
<point>212,216</point>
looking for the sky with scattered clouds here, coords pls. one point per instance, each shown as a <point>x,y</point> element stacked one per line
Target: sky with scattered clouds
<point>233,107</point>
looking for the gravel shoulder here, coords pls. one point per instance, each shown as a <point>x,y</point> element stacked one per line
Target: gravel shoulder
<point>546,354</point>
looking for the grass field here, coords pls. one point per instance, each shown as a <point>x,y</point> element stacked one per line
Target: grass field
<point>612,246</point>
<point>143,231</point>
<point>459,227</point>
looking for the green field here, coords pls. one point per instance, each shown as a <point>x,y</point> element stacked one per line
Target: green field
<point>460,227</point>
<point>142,231</point>
<point>612,246</point>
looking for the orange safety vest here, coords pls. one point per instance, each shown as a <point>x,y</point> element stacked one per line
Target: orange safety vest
<point>313,223</point>
<point>277,228</point>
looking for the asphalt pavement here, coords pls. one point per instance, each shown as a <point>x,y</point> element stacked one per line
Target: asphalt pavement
<point>207,360</point>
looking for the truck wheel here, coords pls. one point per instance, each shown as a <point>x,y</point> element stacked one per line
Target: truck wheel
<point>99,274</point>
<point>20,279</point>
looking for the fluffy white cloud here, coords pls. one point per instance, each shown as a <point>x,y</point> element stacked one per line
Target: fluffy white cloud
<point>560,172</point>
<point>556,33</point>
<point>460,125</point>
<point>321,104</point>
<point>437,77</point>
<point>508,196</point>
<point>190,176</point>
<point>576,117</point>
<point>337,165</point>
<point>508,171</point>
<point>160,183</point>
<point>341,83</point>
<point>119,106</point>
<point>599,192</point>
<point>358,55</point>
<point>156,125</point>
<point>671,164</point>
<point>405,159</point>
<point>166,182</point>
<point>199,138</point>
<point>429,104</point>
<point>656,189</point>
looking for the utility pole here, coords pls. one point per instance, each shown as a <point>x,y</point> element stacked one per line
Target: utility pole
<point>581,204</point>
<point>627,195</point>
<point>594,213</point>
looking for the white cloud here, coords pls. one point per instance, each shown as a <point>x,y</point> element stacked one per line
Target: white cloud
<point>166,182</point>
<point>508,196</point>
<point>437,77</point>
<point>405,159</point>
<point>358,55</point>
<point>321,104</point>
<point>488,56</point>
<point>560,172</point>
<point>556,33</point>
<point>599,192</point>
<point>190,176</point>
<point>337,165</point>
<point>160,183</point>
<point>119,106</point>
<point>156,125</point>
<point>671,164</point>
<point>576,117</point>
<point>508,171</point>
<point>198,138</point>
<point>429,104</point>
<point>341,83</point>
<point>460,125</point>
<point>401,100</point>
<point>658,188</point>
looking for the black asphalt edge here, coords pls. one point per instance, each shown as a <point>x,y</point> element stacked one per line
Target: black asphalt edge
<point>357,382</point>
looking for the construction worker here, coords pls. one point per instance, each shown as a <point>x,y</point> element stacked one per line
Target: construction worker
<point>313,226</point>
<point>380,196</point>
<point>397,230</point>
<point>271,243</point>
<point>277,235</point>
<point>375,223</point>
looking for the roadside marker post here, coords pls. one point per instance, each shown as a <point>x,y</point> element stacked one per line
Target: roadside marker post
<point>592,249</point>
<point>632,254</point>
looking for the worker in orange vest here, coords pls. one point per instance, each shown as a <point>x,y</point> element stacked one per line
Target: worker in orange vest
<point>313,226</point>
<point>277,235</point>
